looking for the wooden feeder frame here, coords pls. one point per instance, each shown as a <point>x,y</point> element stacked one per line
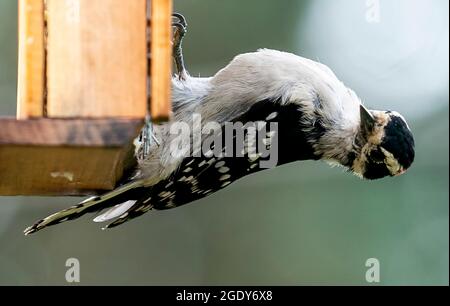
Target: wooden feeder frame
<point>86,84</point>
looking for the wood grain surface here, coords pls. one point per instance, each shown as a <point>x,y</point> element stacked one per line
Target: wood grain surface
<point>31,69</point>
<point>64,157</point>
<point>97,58</point>
<point>161,64</point>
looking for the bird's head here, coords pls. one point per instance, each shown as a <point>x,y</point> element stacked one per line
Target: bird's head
<point>385,145</point>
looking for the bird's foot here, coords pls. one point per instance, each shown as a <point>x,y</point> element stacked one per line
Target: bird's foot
<point>180,25</point>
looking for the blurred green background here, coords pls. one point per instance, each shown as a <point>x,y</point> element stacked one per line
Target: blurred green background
<point>301,224</point>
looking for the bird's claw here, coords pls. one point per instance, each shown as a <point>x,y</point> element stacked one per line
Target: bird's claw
<point>180,26</point>
<point>181,19</point>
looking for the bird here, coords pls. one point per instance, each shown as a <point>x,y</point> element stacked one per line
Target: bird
<point>279,103</point>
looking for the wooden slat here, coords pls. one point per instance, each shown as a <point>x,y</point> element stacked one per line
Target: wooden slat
<point>97,58</point>
<point>161,53</point>
<point>64,157</point>
<point>58,171</point>
<point>30,100</point>
<point>74,132</point>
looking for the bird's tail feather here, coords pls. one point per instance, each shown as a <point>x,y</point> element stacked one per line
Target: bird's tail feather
<point>90,205</point>
<point>139,208</point>
<point>114,212</point>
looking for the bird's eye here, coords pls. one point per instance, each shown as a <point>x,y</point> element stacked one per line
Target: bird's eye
<point>377,156</point>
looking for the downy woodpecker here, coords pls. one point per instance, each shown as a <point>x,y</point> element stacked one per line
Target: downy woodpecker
<point>317,117</point>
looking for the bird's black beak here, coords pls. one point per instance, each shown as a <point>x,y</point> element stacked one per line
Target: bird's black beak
<point>367,120</point>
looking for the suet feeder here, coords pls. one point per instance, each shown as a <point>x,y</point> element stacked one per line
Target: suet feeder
<point>90,72</point>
